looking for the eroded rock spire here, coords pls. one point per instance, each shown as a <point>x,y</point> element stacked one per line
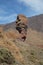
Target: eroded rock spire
<point>21,26</point>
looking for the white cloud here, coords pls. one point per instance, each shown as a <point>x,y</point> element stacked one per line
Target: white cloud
<point>5,18</point>
<point>36,5</point>
<point>9,18</point>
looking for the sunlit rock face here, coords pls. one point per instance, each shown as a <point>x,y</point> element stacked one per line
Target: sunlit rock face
<point>21,26</point>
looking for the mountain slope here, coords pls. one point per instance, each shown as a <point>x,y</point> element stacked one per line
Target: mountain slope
<point>36,23</point>
<point>29,52</point>
<point>23,52</point>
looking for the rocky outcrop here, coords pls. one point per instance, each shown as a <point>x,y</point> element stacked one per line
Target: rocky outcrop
<point>21,26</point>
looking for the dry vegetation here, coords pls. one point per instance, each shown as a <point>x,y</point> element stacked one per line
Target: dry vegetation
<point>24,53</point>
<point>35,37</point>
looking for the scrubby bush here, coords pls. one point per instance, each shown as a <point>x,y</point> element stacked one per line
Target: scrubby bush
<point>40,63</point>
<point>6,56</point>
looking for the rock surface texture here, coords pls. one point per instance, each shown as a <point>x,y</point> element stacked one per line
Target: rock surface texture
<point>21,26</point>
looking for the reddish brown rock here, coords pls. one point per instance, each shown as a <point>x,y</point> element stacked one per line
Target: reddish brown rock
<point>21,25</point>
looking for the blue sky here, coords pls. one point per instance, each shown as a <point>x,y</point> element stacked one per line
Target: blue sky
<point>9,9</point>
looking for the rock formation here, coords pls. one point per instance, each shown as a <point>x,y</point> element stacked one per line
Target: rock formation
<point>21,26</point>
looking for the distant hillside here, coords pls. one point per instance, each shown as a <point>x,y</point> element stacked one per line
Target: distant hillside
<point>36,23</point>
<point>8,26</point>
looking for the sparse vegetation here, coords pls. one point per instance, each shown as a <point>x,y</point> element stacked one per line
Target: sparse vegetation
<point>6,57</point>
<point>40,63</point>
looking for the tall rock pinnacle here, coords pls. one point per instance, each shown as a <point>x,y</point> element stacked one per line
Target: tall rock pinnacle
<point>21,26</point>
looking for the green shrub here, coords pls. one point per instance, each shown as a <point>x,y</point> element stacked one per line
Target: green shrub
<point>6,56</point>
<point>41,63</point>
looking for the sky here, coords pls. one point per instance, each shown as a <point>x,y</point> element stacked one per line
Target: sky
<point>9,9</point>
